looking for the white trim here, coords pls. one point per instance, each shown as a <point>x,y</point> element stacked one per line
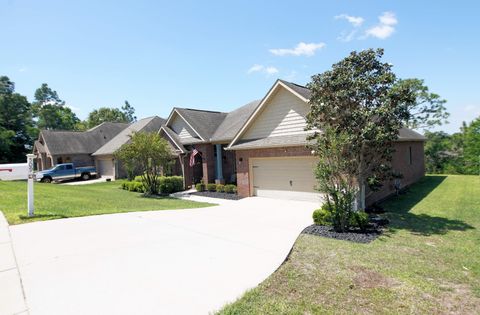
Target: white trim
<point>260,108</point>
<point>176,111</point>
<point>166,132</point>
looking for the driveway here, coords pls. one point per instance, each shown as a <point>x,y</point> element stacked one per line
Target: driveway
<point>157,262</point>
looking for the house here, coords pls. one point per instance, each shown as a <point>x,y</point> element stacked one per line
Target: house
<point>106,163</point>
<point>272,159</point>
<point>207,132</point>
<point>54,146</point>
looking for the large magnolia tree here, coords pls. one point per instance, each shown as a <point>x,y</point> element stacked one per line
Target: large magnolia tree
<point>356,114</point>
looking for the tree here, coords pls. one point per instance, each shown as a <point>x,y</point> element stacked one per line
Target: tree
<point>16,124</point>
<point>129,112</point>
<point>472,147</point>
<point>104,114</point>
<point>51,112</point>
<point>428,110</point>
<point>355,115</point>
<point>151,154</point>
<point>441,154</point>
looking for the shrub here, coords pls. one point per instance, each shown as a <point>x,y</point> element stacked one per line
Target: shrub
<point>211,187</point>
<point>220,188</point>
<point>230,189</point>
<point>166,184</point>
<point>360,219</point>
<point>170,184</point>
<point>200,187</point>
<point>322,216</point>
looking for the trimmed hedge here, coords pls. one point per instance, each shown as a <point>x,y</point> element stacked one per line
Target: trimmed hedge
<point>230,189</point>
<point>212,187</point>
<point>220,188</point>
<point>200,187</point>
<point>167,184</point>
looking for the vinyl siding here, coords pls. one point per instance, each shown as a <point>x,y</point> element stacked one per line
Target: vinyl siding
<point>180,127</point>
<point>283,115</point>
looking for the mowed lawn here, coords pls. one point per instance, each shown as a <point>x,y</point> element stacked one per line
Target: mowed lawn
<point>53,201</point>
<point>428,263</point>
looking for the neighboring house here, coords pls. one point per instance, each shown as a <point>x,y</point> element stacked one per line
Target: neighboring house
<point>105,162</point>
<point>209,133</point>
<point>272,159</point>
<point>55,147</point>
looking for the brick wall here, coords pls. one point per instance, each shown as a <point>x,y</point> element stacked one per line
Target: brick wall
<point>401,163</point>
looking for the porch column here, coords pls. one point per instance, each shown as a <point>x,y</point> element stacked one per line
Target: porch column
<point>218,168</point>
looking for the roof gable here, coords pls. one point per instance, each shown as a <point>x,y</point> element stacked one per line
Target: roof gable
<point>149,124</point>
<point>294,97</point>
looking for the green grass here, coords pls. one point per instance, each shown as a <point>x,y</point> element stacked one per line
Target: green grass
<point>54,201</point>
<point>427,263</point>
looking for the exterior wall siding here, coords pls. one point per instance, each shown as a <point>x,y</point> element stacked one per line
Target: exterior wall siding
<point>180,127</point>
<point>284,115</point>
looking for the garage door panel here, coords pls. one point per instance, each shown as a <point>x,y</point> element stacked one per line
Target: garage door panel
<point>105,167</point>
<point>285,178</point>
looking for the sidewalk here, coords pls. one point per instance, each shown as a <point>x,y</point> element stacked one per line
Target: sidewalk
<point>12,299</point>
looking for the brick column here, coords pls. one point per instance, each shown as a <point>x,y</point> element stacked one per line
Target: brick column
<point>208,162</point>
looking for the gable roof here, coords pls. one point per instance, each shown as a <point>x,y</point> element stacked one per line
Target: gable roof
<point>233,122</point>
<point>78,142</point>
<point>149,124</point>
<point>295,89</point>
<point>179,148</point>
<point>406,134</point>
<point>203,122</point>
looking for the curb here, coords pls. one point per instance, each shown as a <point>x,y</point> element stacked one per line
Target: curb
<point>12,296</point>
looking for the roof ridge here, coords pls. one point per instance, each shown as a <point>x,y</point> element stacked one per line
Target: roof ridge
<point>299,85</point>
<point>202,110</point>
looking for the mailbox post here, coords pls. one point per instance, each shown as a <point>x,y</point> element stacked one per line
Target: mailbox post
<point>31,177</point>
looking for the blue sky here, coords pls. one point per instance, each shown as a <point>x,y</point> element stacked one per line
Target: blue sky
<point>220,55</point>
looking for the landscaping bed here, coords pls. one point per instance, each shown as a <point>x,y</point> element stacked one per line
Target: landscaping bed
<point>215,194</point>
<point>356,235</point>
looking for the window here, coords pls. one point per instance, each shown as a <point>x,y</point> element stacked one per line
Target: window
<point>69,166</point>
<point>410,159</point>
<point>59,160</point>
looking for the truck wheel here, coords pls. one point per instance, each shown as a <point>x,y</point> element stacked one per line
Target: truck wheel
<point>46,180</point>
<point>85,176</point>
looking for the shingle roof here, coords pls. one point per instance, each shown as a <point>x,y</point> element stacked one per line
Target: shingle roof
<point>174,137</point>
<point>233,122</point>
<point>150,124</point>
<point>203,121</point>
<point>300,89</point>
<point>76,142</point>
<point>405,134</point>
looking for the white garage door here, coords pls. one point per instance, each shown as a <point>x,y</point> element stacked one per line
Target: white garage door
<point>284,178</point>
<point>106,167</point>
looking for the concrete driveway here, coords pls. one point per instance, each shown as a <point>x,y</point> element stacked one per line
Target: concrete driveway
<point>158,262</point>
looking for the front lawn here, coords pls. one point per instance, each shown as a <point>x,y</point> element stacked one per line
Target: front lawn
<point>54,201</point>
<point>427,263</point>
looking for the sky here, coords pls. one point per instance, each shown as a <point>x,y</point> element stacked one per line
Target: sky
<point>220,55</point>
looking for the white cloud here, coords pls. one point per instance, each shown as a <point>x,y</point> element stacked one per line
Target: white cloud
<point>302,49</point>
<point>271,70</point>
<point>356,21</point>
<point>255,68</point>
<point>385,28</point>
<point>263,69</point>
<point>23,69</point>
<point>347,36</point>
<point>74,108</point>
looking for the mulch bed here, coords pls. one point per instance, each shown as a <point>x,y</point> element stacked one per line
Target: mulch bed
<point>214,194</point>
<point>356,236</point>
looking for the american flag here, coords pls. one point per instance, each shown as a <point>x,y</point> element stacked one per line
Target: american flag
<point>192,157</point>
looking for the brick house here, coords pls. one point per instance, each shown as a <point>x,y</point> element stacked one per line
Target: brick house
<point>56,146</point>
<point>272,159</point>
